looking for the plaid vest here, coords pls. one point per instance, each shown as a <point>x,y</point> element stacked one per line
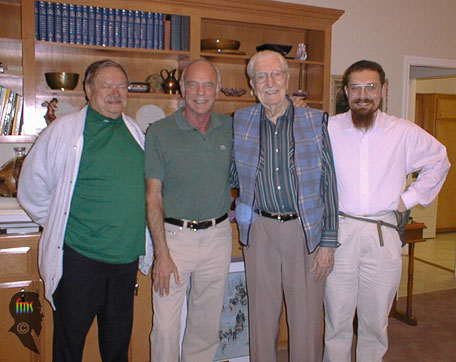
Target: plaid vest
<point>307,134</point>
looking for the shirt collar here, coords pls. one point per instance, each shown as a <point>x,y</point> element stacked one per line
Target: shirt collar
<point>98,117</point>
<point>184,125</point>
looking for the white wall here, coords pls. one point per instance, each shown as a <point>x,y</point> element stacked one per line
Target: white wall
<point>387,30</point>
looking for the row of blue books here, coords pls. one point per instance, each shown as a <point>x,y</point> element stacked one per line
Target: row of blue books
<point>11,104</point>
<point>93,25</point>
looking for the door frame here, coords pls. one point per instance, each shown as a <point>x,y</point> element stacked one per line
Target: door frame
<point>411,60</point>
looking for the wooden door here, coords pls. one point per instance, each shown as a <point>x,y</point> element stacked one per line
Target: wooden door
<point>436,113</point>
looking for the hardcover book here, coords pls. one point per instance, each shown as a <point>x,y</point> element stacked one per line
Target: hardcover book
<point>85,24</point>
<point>137,29</point>
<point>92,26</point>
<point>50,21</point>
<point>37,20</point>
<point>166,32</point>
<point>65,23</point>
<point>78,24</point>
<point>143,29</point>
<point>185,34</point>
<point>176,29</point>
<point>150,30</point>
<point>72,23</point>
<point>117,27</point>
<point>160,31</point>
<point>124,28</point>
<point>131,29</point>
<point>104,27</point>
<point>58,22</point>
<point>98,25</point>
<point>42,28</point>
<point>111,27</point>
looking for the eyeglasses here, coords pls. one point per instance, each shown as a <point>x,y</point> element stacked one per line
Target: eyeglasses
<point>370,88</point>
<point>276,75</point>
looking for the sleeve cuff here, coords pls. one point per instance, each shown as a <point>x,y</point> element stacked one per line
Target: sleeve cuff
<point>410,198</point>
<point>329,239</point>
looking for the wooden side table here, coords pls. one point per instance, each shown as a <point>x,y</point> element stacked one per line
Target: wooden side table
<point>414,235</point>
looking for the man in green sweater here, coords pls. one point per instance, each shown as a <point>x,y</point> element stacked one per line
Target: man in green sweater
<point>83,181</point>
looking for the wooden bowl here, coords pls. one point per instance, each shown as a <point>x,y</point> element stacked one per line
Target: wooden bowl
<point>62,80</point>
<point>222,44</point>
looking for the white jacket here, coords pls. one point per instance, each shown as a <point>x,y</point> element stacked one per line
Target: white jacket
<point>46,185</point>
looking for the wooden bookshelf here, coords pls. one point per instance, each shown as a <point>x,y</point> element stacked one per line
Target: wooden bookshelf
<point>252,22</point>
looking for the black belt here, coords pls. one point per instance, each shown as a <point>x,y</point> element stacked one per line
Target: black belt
<point>196,225</point>
<point>280,217</point>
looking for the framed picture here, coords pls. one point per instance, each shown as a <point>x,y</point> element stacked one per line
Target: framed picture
<point>234,325</point>
<point>338,102</point>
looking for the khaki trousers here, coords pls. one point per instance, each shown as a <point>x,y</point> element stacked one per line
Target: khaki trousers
<point>202,258</point>
<point>277,263</point>
<point>365,277</point>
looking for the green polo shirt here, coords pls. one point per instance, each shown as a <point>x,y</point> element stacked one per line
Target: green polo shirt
<point>194,168</point>
<point>107,214</point>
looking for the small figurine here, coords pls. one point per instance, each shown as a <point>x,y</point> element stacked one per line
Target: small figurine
<point>155,83</point>
<point>51,109</point>
<point>301,53</point>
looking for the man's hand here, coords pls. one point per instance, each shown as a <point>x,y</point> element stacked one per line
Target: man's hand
<point>323,263</point>
<point>161,274</point>
<point>299,101</point>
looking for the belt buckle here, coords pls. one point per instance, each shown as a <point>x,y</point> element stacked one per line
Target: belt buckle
<point>279,218</point>
<point>192,225</point>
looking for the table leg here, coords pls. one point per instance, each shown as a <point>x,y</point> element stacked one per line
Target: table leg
<point>407,316</point>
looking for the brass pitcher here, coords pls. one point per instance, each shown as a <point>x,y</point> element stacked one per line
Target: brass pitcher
<point>170,83</point>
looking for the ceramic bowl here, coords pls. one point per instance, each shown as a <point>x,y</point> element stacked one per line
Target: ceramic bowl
<point>282,49</point>
<point>62,80</point>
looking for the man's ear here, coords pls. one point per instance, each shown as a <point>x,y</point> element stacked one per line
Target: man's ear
<point>252,85</point>
<point>384,91</point>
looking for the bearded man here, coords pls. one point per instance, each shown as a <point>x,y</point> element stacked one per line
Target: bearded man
<point>373,154</point>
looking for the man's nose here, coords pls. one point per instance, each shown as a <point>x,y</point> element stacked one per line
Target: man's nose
<point>270,81</point>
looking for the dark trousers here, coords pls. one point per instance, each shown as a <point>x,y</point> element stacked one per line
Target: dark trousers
<point>90,288</point>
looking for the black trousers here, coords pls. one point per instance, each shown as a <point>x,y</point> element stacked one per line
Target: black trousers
<point>90,288</point>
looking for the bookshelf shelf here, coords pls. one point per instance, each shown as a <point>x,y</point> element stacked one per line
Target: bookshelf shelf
<point>17,139</point>
<point>252,22</point>
<point>9,76</point>
<point>46,47</point>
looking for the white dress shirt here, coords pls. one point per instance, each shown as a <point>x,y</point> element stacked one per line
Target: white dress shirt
<point>371,167</point>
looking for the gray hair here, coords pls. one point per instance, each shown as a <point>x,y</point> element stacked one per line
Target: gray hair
<point>261,55</point>
<point>94,68</point>
<point>184,72</point>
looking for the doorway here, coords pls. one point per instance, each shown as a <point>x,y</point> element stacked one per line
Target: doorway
<point>416,68</point>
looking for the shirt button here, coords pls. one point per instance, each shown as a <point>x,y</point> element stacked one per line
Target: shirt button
<point>275,132</point>
<point>278,187</point>
<point>277,169</point>
<point>277,150</point>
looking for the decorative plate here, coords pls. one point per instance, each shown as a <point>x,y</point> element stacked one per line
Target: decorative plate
<point>147,115</point>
